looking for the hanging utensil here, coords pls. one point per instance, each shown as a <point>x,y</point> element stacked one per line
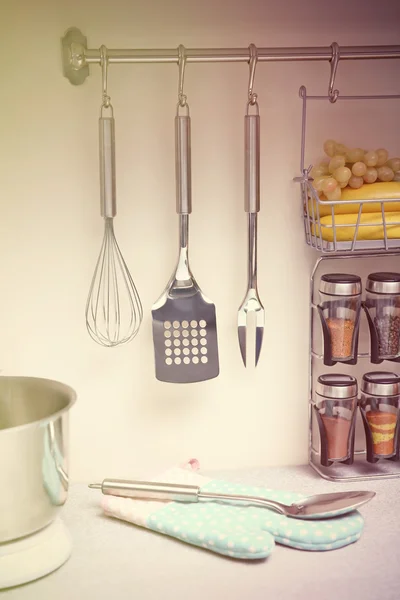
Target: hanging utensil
<point>184,320</point>
<point>113,309</point>
<point>320,506</point>
<point>251,303</point>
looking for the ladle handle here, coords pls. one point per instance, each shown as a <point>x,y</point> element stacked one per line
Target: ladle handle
<point>108,196</point>
<point>183,169</point>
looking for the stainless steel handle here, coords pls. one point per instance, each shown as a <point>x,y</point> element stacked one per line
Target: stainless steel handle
<point>108,194</point>
<point>150,490</point>
<point>183,167</point>
<point>252,163</point>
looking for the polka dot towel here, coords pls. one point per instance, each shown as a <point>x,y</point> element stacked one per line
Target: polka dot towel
<point>243,532</point>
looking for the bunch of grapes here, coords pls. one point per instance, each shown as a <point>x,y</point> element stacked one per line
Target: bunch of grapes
<point>352,167</point>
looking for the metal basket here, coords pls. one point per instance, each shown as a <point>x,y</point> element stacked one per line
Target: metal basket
<point>325,232</point>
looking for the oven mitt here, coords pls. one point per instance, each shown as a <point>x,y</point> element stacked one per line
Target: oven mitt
<point>238,531</point>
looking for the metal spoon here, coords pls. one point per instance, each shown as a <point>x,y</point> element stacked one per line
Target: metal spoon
<point>321,506</point>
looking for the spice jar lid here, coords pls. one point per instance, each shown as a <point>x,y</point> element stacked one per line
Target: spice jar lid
<point>381,383</point>
<point>383,283</point>
<point>336,386</point>
<point>340,284</point>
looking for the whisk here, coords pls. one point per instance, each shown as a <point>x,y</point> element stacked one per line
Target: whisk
<point>113,309</point>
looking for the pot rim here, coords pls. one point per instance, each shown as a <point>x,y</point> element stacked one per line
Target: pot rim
<point>46,420</point>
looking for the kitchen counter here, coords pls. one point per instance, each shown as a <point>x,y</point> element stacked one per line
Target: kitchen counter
<point>113,559</point>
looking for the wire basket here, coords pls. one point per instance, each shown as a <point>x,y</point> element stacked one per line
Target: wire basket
<point>373,224</point>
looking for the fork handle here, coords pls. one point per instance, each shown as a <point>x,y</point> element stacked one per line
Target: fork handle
<point>252,163</point>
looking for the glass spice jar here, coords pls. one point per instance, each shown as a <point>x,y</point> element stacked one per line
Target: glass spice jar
<point>382,303</point>
<point>379,406</point>
<point>335,406</point>
<point>340,303</point>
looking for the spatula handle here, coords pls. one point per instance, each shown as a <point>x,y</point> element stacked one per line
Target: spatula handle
<point>252,163</point>
<point>183,167</point>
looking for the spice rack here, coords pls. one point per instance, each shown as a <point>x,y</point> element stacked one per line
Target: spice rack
<point>354,255</point>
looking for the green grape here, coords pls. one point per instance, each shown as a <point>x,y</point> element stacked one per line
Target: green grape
<point>359,169</point>
<point>342,174</point>
<point>336,162</point>
<point>329,185</point>
<point>321,169</point>
<point>383,155</point>
<point>336,194</point>
<point>355,182</point>
<point>341,149</point>
<point>354,155</point>
<point>385,173</point>
<point>371,175</point>
<point>329,147</point>
<point>370,158</point>
<point>317,183</point>
<point>344,184</point>
<point>394,164</point>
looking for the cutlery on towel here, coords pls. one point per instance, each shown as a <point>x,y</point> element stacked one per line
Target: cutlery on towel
<point>320,506</point>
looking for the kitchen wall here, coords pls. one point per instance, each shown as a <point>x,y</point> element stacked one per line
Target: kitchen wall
<point>126,423</point>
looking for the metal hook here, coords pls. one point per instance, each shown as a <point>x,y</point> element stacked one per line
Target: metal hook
<point>334,94</point>
<point>181,64</point>
<point>253,63</point>
<point>104,73</point>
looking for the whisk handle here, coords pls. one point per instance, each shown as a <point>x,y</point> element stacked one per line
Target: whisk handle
<point>183,168</point>
<point>108,202</point>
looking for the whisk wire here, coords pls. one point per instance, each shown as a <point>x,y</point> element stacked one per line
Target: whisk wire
<point>112,317</point>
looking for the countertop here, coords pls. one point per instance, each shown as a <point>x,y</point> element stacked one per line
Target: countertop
<point>113,559</point>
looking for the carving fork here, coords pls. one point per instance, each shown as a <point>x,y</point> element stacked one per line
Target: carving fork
<point>251,302</point>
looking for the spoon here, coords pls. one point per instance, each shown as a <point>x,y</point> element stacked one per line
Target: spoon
<point>320,506</point>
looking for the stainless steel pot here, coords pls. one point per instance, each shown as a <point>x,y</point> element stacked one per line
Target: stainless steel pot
<point>33,453</point>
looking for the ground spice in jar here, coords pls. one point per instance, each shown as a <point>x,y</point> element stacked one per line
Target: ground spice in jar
<point>382,426</point>
<point>337,430</point>
<point>342,332</point>
<point>388,330</point>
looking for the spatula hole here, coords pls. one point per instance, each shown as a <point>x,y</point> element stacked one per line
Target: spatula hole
<point>176,324</point>
<point>194,333</point>
<point>167,334</point>
<point>204,359</point>
<point>168,361</point>
<point>195,360</point>
<point>202,323</point>
<point>186,360</point>
<point>193,323</point>
<point>177,360</point>
<point>185,324</point>
<point>203,332</point>
<point>194,341</point>
<point>203,341</point>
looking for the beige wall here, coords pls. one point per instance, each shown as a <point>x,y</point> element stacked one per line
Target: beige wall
<point>125,421</point>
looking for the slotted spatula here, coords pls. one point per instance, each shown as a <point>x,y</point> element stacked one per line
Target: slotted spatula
<point>184,320</point>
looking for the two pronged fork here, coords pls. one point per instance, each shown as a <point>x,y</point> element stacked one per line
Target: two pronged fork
<point>251,302</point>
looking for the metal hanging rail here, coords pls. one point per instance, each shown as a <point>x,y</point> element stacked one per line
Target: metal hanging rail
<point>77,56</point>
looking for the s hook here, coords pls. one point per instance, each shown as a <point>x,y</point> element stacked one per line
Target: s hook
<point>104,76</point>
<point>333,94</point>
<point>252,96</point>
<point>182,99</point>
